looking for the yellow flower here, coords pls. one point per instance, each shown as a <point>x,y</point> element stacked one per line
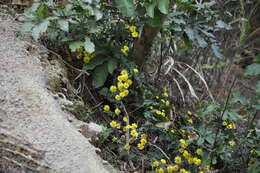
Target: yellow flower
<point>126,85</point>
<point>156,163</point>
<point>157,97</point>
<point>158,112</point>
<point>208,168</point>
<point>175,168</point>
<point>199,151</point>
<point>117,97</point>
<point>167,103</point>
<point>134,126</point>
<point>124,77</point>
<point>150,107</point>
<point>124,72</point>
<point>134,133</point>
<point>140,146</point>
<point>129,81</point>
<point>134,34</point>
<point>186,154</point>
<point>190,121</point>
<point>127,26</point>
<point>201,172</point>
<point>135,70</point>
<point>125,49</point>
<point>162,100</point>
<point>177,159</point>
<point>117,111</point>
<point>225,123</point>
<point>232,143</point>
<point>163,161</point>
<point>160,170</point>
<point>127,147</point>
<point>189,112</point>
<point>166,94</point>
<point>86,59</point>
<point>125,119</point>
<point>143,136</point>
<point>132,28</point>
<point>114,124</point>
<point>143,141</point>
<point>196,161</point>
<point>106,108</point>
<point>113,88</point>
<point>163,114</point>
<point>120,86</point>
<point>182,141</point>
<point>184,171</point>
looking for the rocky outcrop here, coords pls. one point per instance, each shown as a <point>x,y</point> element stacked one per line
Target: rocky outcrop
<point>35,135</point>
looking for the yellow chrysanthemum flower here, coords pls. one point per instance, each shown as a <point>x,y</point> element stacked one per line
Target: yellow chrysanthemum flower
<point>163,161</point>
<point>134,34</point>
<point>177,159</point>
<point>232,143</point>
<point>132,28</point>
<point>106,108</point>
<point>113,88</point>
<point>156,163</point>
<point>135,70</point>
<point>117,111</point>
<point>199,151</point>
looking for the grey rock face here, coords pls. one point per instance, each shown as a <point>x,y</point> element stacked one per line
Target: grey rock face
<point>35,135</point>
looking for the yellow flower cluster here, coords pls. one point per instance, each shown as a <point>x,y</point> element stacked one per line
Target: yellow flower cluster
<point>232,143</point>
<point>177,159</point>
<point>125,49</point>
<point>229,125</point>
<point>115,124</point>
<point>143,141</point>
<point>127,147</point>
<point>171,168</point>
<point>161,113</point>
<point>184,171</point>
<point>122,85</point>
<point>132,28</point>
<point>85,55</point>
<point>183,143</point>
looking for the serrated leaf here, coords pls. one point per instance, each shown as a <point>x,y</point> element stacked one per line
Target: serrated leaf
<point>26,27</point>
<point>112,65</point>
<point>150,8</point>
<point>38,30</point>
<point>216,50</point>
<point>252,70</point>
<point>163,6</point>
<point>126,7</point>
<point>64,25</point>
<point>89,45</point>
<point>99,76</point>
<point>75,45</point>
<point>94,63</point>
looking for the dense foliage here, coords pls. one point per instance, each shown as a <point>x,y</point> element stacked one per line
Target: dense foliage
<point>144,130</point>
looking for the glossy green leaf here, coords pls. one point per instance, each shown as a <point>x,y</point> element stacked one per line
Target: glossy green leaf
<point>94,63</point>
<point>99,76</point>
<point>126,7</point>
<point>112,65</point>
<point>89,45</point>
<point>38,30</point>
<point>75,45</point>
<point>64,25</point>
<point>163,6</point>
<point>252,70</point>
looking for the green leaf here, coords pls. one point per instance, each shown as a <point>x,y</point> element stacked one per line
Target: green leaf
<point>216,50</point>
<point>258,87</point>
<point>26,27</point>
<point>75,45</point>
<point>234,116</point>
<point>126,7</point>
<point>150,8</point>
<point>89,45</point>
<point>112,65</point>
<point>38,30</point>
<point>99,76</point>
<point>252,70</point>
<point>64,25</point>
<point>163,6</point>
<point>94,63</point>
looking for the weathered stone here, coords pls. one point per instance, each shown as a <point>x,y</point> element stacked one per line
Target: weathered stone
<point>35,134</point>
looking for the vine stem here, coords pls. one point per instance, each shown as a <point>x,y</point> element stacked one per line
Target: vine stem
<point>222,114</point>
<point>161,151</point>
